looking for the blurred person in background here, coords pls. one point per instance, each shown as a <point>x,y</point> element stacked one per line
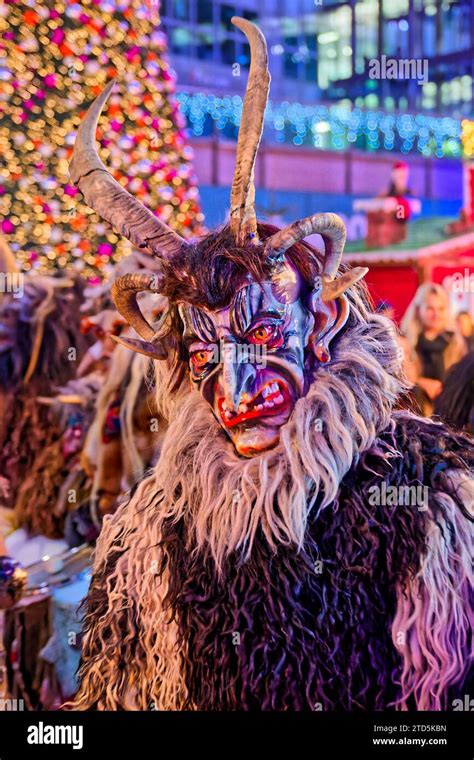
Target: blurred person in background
<point>434,343</point>
<point>455,404</point>
<point>399,177</point>
<point>465,327</point>
<point>386,309</point>
<point>399,189</point>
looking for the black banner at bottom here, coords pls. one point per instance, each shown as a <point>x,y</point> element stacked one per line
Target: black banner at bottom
<point>133,735</point>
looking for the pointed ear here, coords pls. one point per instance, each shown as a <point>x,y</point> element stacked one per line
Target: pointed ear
<point>330,308</point>
<point>153,350</point>
<point>329,318</point>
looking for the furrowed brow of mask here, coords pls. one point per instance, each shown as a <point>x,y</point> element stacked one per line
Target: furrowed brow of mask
<point>275,315</point>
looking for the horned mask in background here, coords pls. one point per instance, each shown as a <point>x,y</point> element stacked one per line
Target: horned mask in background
<point>253,354</point>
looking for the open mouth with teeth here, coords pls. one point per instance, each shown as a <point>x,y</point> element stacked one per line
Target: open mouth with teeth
<point>273,399</point>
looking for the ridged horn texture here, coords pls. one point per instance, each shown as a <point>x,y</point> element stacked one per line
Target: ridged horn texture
<point>332,230</point>
<point>109,199</point>
<point>152,350</point>
<point>124,295</point>
<point>337,287</point>
<point>243,221</point>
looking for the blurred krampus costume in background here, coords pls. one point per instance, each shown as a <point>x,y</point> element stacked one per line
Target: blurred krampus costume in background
<point>73,409</point>
<point>123,439</point>
<point>40,348</point>
<point>69,451</point>
<point>261,564</point>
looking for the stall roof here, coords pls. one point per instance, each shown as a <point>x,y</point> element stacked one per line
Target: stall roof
<point>426,239</point>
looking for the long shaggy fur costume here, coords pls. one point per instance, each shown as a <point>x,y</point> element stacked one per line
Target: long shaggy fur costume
<point>116,465</point>
<point>42,502</point>
<point>46,330</point>
<point>274,583</point>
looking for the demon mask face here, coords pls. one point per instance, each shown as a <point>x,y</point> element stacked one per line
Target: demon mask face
<point>248,361</point>
<point>253,356</point>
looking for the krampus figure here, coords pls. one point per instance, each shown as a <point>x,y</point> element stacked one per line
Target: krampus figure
<point>124,436</point>
<point>59,463</point>
<point>40,349</point>
<point>300,544</point>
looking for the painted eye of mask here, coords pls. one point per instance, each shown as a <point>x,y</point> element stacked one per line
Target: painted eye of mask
<point>266,333</point>
<point>201,357</point>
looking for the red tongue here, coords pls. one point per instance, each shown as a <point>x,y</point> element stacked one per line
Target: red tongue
<point>252,412</point>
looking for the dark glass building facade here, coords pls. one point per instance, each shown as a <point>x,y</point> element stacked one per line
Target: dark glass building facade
<point>321,50</point>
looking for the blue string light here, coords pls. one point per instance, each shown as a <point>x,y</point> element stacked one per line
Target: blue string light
<point>328,128</point>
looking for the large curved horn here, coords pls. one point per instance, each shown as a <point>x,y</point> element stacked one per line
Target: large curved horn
<point>243,221</point>
<point>109,199</point>
<point>124,293</point>
<point>333,231</point>
<point>8,263</point>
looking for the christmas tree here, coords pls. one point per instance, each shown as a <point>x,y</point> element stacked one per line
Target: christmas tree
<point>55,57</point>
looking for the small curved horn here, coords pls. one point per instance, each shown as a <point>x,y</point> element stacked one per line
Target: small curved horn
<point>329,226</point>
<point>243,221</point>
<point>152,350</point>
<point>124,293</point>
<point>333,231</point>
<point>109,199</point>
<point>337,287</point>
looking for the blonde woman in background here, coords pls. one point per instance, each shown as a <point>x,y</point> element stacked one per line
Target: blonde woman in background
<point>434,343</point>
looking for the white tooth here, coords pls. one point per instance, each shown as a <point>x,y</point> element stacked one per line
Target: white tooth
<point>266,391</point>
<point>268,404</point>
<point>243,408</point>
<point>259,406</point>
<point>224,406</point>
<point>279,399</point>
<point>275,388</point>
<point>227,415</point>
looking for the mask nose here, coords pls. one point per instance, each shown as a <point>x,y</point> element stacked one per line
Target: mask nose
<point>238,375</point>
